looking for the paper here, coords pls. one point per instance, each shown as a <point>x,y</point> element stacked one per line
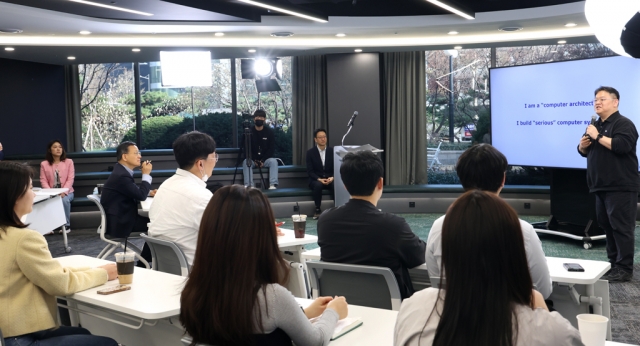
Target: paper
<point>343,326</point>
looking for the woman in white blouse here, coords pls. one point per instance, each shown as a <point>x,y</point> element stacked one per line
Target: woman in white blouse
<point>487,298</point>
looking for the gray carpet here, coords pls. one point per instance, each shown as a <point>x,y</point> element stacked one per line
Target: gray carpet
<point>625,297</point>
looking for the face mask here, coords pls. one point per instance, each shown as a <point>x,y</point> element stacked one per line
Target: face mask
<point>204,176</point>
<point>259,122</point>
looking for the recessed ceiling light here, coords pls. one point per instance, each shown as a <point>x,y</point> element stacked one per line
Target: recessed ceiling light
<point>457,47</point>
<point>284,10</point>
<point>453,32</point>
<point>252,51</point>
<point>562,42</point>
<point>569,25</point>
<point>71,57</point>
<point>449,7</point>
<point>85,32</point>
<point>135,50</point>
<point>341,35</point>
<point>282,34</point>
<point>510,28</point>
<point>9,49</point>
<point>10,31</point>
<point>219,34</point>
<point>357,50</point>
<point>112,7</point>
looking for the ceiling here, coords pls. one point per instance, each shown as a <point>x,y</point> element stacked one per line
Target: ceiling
<point>50,28</point>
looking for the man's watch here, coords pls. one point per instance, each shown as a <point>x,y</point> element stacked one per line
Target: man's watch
<point>598,137</point>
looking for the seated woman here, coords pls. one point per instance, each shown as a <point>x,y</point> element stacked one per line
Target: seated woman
<point>487,298</point>
<point>57,171</point>
<point>233,295</point>
<point>31,278</point>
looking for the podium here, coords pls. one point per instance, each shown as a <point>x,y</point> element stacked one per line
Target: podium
<point>341,195</point>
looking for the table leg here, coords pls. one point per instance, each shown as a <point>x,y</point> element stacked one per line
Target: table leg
<point>67,249</point>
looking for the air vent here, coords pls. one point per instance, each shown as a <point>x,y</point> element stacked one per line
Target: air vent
<point>282,34</point>
<point>510,28</point>
<point>10,31</point>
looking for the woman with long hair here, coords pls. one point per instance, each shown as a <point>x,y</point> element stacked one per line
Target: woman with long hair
<point>234,293</point>
<point>488,296</point>
<point>57,171</point>
<point>31,278</point>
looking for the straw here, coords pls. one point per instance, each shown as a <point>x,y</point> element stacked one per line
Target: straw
<point>297,206</point>
<point>125,248</point>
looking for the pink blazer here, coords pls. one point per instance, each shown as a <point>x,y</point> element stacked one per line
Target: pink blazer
<point>66,171</point>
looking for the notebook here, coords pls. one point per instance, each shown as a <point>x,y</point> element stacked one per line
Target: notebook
<point>343,326</point>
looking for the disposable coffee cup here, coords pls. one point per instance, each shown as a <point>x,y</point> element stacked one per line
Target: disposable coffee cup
<point>593,329</point>
<point>100,186</point>
<point>125,264</point>
<point>299,225</point>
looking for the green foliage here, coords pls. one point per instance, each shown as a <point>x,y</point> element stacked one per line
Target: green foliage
<point>156,104</point>
<point>516,175</point>
<point>483,127</point>
<point>454,146</point>
<point>160,132</point>
<point>442,177</point>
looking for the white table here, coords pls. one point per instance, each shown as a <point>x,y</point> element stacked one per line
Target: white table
<point>146,204</point>
<point>48,213</point>
<point>145,315</point>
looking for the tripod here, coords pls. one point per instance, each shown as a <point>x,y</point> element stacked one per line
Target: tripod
<point>246,150</point>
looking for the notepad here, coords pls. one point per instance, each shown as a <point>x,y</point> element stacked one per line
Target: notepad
<point>345,326</point>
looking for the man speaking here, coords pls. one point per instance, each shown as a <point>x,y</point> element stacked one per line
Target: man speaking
<point>612,174</point>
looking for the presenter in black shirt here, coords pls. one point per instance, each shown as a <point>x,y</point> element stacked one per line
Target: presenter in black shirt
<point>612,174</point>
<point>263,147</point>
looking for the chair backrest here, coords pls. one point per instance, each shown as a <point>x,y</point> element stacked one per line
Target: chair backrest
<point>370,286</point>
<point>103,215</point>
<point>166,256</point>
<point>437,282</point>
<point>1,338</point>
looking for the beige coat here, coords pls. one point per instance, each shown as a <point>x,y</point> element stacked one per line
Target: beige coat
<point>30,279</point>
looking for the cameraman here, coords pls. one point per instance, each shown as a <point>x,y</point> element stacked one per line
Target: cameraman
<point>263,145</point>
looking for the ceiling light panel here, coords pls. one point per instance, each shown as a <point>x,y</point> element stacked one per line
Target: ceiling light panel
<point>117,8</point>
<point>456,10</point>
<point>286,11</point>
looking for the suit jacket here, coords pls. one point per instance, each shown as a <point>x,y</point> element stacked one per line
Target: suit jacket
<point>315,169</point>
<point>120,197</point>
<point>359,233</point>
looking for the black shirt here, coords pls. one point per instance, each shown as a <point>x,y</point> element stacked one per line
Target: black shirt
<point>359,233</point>
<point>615,169</point>
<point>263,143</point>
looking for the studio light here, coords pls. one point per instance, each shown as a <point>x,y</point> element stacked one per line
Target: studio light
<point>263,68</point>
<point>612,20</point>
<point>265,71</point>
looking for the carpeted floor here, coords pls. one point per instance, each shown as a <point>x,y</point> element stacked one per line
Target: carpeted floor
<point>625,297</point>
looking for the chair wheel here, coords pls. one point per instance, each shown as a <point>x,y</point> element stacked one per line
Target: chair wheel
<point>587,246</point>
<point>67,249</point>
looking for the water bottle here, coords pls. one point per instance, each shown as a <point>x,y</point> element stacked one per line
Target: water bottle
<point>95,190</point>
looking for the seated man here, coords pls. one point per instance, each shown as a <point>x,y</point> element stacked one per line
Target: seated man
<point>320,168</point>
<point>121,195</point>
<point>180,202</point>
<point>359,233</point>
<point>263,146</point>
<point>483,167</point>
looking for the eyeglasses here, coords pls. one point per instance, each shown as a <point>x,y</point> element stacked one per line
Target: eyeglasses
<point>216,157</point>
<point>324,137</point>
<point>601,100</point>
<point>136,153</point>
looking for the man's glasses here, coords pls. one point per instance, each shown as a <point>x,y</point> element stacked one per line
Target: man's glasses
<point>216,157</point>
<point>601,100</point>
<point>324,137</point>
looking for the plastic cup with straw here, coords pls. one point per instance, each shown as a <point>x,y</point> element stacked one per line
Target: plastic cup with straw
<point>125,265</point>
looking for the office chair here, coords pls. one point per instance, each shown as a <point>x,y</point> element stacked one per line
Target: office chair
<point>166,256</point>
<point>370,286</point>
<point>437,282</point>
<point>1,338</point>
<point>113,243</point>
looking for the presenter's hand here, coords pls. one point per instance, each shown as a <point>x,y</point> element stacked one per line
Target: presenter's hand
<point>111,270</point>
<point>146,167</point>
<point>592,131</point>
<point>585,142</point>
<point>317,307</point>
<point>339,304</point>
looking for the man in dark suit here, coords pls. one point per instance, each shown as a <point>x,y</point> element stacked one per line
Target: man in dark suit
<point>359,233</point>
<point>320,168</point>
<point>121,195</point>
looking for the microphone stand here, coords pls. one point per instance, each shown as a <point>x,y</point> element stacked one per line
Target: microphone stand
<point>350,125</point>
